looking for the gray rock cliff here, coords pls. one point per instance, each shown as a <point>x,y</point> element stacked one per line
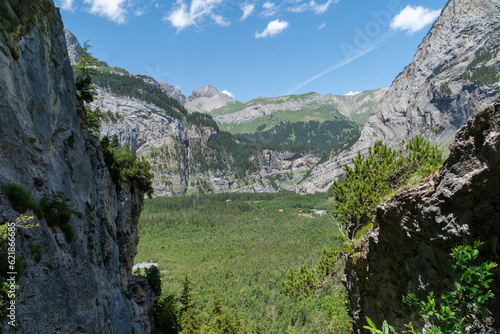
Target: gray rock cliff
<point>439,91</point>
<point>408,249</point>
<point>84,285</point>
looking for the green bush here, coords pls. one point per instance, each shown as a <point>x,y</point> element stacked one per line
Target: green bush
<point>154,278</point>
<point>124,164</point>
<point>381,172</point>
<point>445,89</point>
<point>55,210</point>
<point>19,197</point>
<point>69,234</point>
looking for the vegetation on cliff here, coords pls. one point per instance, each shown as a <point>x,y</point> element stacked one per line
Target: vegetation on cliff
<point>462,309</point>
<point>382,171</point>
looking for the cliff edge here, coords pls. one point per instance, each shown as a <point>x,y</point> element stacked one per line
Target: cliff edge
<point>83,283</point>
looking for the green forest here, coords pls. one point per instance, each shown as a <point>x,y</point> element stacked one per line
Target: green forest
<point>239,248</point>
<point>317,136</point>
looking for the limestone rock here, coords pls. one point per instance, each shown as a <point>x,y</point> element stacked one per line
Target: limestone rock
<point>432,96</point>
<point>78,286</point>
<point>73,46</point>
<point>408,249</point>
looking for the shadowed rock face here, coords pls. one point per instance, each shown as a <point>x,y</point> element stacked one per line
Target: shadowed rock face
<point>84,285</point>
<point>414,232</point>
<point>431,97</point>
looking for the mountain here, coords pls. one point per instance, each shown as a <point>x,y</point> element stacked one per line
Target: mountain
<point>238,117</point>
<point>73,265</point>
<point>187,151</point>
<point>454,74</point>
<point>205,99</point>
<point>314,122</point>
<point>408,250</point>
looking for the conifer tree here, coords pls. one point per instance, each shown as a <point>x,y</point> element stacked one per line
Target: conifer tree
<point>373,177</point>
<point>221,321</point>
<point>187,299</point>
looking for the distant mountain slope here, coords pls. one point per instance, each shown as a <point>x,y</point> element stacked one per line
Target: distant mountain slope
<point>322,123</point>
<point>296,108</point>
<point>455,73</point>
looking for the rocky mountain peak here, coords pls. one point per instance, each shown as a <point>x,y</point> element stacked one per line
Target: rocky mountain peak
<point>205,91</point>
<point>173,92</point>
<point>206,99</point>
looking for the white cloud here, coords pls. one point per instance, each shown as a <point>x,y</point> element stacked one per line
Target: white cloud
<point>247,9</point>
<point>181,17</point>
<point>273,28</point>
<point>67,5</point>
<point>231,95</point>
<point>220,20</point>
<point>351,93</point>
<point>413,19</point>
<point>270,9</point>
<point>139,12</point>
<point>112,9</point>
<point>313,7</point>
<point>321,26</point>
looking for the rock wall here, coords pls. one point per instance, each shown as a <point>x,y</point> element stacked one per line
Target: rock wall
<point>432,96</point>
<point>176,151</point>
<point>408,249</point>
<point>84,285</point>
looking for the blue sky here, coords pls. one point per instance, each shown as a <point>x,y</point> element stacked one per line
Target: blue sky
<point>256,48</point>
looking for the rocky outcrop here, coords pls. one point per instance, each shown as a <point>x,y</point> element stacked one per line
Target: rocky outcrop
<point>84,284</point>
<point>408,249</point>
<point>207,98</point>
<point>72,44</point>
<point>439,91</point>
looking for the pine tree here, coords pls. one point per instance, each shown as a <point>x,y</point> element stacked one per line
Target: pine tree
<point>221,321</point>
<point>189,322</point>
<point>166,315</point>
<point>187,299</point>
<point>373,177</point>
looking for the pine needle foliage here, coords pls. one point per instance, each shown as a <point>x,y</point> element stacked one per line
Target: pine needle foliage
<point>371,178</point>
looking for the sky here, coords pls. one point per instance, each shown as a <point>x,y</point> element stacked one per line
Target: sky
<point>254,48</point>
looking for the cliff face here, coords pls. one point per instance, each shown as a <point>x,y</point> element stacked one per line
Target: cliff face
<point>180,155</point>
<point>446,83</point>
<point>408,249</point>
<point>84,285</point>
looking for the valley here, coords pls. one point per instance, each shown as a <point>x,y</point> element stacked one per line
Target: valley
<point>301,213</point>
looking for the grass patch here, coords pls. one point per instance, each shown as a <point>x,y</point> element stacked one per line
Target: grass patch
<point>19,197</point>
